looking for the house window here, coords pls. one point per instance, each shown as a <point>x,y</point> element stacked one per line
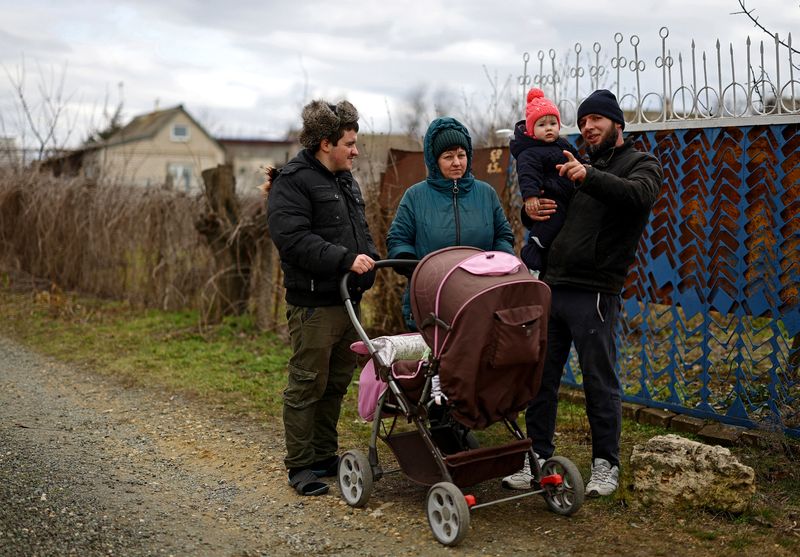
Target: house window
<point>181,175</point>
<point>180,132</point>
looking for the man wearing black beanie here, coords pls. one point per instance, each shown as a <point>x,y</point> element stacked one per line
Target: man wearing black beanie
<point>604,103</point>
<point>586,270</point>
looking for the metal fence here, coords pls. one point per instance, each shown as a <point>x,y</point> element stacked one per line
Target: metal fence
<point>733,82</point>
<point>711,310</point>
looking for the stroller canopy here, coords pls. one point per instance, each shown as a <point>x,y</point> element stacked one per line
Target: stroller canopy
<point>485,318</point>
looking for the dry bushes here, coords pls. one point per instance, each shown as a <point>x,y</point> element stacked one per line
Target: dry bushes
<point>381,309</point>
<point>382,302</point>
<point>161,248</point>
<point>247,269</point>
<point>115,242</point>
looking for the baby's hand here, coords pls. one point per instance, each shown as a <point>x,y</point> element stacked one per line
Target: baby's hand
<point>540,208</point>
<point>532,206</point>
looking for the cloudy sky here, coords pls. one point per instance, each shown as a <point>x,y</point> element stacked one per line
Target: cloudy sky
<point>244,68</point>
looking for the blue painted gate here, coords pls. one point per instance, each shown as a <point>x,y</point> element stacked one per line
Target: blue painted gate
<point>711,310</point>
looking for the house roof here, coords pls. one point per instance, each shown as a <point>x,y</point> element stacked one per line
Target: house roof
<point>255,141</point>
<point>146,126</point>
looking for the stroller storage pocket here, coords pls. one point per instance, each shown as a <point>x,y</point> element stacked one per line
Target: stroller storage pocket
<point>516,336</point>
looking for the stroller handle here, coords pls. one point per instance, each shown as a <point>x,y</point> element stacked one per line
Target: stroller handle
<point>392,263</point>
<point>348,303</point>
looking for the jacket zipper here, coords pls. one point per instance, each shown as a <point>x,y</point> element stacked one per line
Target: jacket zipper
<point>455,212</point>
<point>347,194</point>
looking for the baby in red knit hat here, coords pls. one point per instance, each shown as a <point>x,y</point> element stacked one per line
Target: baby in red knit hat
<point>537,148</point>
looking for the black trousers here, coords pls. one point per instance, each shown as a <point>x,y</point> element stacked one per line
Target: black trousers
<point>589,320</point>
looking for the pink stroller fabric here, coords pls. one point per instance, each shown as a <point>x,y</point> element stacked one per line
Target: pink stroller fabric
<point>389,350</point>
<point>370,389</point>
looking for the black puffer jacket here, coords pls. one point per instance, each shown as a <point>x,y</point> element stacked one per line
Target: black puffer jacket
<point>605,220</point>
<point>317,222</point>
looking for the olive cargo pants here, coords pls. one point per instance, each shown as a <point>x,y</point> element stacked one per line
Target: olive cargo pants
<point>319,372</point>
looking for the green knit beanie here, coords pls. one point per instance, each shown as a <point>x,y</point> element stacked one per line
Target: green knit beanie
<point>447,139</point>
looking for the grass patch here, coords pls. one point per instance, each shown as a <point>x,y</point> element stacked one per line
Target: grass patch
<point>230,364</point>
<point>705,535</point>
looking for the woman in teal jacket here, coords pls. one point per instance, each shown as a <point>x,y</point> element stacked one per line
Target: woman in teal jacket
<point>450,208</point>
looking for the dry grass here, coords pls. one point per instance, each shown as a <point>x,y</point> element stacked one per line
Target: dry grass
<point>118,242</point>
<point>142,246</point>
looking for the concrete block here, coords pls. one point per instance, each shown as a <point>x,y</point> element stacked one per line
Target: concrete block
<point>686,424</point>
<point>754,438</point>
<point>720,434</point>
<point>630,410</point>
<point>655,416</point>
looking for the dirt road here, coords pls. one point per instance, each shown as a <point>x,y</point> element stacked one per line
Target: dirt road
<point>93,467</point>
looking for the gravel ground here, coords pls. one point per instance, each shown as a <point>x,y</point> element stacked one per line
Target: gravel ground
<point>93,467</point>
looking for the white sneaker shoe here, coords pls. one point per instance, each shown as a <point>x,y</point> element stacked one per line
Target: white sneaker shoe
<point>604,479</point>
<point>523,478</point>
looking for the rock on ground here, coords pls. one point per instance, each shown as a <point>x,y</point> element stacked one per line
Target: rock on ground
<point>672,470</point>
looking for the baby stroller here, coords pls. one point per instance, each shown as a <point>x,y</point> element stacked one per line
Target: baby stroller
<point>477,360</point>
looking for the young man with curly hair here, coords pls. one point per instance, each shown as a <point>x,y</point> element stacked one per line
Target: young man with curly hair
<point>317,221</point>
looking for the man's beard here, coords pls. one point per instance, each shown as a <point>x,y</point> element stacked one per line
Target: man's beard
<point>608,141</point>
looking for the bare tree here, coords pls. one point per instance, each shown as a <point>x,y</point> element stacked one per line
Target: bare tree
<point>414,114</point>
<point>111,121</point>
<point>45,115</point>
<point>498,109</point>
<point>444,100</point>
<point>483,113</point>
<point>750,15</point>
<point>768,101</point>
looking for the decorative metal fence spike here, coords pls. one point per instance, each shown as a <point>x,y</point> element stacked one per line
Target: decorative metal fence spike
<point>650,96</point>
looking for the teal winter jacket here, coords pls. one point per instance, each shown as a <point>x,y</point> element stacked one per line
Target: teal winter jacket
<point>439,212</point>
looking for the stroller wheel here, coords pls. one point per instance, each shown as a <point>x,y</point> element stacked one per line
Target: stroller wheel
<point>567,497</point>
<point>355,478</point>
<point>448,513</point>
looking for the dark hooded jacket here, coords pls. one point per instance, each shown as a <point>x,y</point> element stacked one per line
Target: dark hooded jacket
<point>605,220</point>
<point>536,165</point>
<point>317,221</point>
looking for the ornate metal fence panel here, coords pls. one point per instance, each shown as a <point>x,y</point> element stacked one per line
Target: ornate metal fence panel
<point>736,81</point>
<point>711,309</point>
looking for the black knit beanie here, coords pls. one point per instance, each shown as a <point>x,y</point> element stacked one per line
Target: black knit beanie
<point>448,138</point>
<point>604,103</point>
